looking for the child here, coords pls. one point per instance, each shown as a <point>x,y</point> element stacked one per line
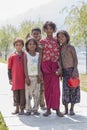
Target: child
<point>49,56</point>
<point>36,34</point>
<point>69,65</point>
<point>31,73</point>
<point>16,76</point>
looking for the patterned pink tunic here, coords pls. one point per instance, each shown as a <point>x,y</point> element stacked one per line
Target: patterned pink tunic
<point>49,67</point>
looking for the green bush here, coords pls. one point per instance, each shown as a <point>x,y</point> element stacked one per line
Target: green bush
<point>2,123</point>
<point>3,60</point>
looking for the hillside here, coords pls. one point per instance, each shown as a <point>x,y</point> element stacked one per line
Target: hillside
<point>49,11</point>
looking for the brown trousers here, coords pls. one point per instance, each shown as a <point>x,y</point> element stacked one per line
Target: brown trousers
<point>19,98</point>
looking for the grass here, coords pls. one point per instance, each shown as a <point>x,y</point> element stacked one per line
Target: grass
<point>2,123</point>
<point>83,82</point>
<point>3,60</point>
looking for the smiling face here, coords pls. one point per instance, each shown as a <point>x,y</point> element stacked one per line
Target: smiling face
<point>49,30</point>
<point>62,38</point>
<point>36,35</point>
<point>31,46</point>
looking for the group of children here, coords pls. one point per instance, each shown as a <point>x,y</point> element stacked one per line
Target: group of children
<point>35,73</point>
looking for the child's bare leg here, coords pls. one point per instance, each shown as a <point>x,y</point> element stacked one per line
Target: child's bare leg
<point>16,110</point>
<point>72,109</point>
<point>21,110</point>
<point>66,109</point>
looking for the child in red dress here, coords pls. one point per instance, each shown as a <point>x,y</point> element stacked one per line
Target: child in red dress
<point>16,76</point>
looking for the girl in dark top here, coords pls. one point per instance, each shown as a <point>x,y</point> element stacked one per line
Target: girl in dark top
<point>69,67</point>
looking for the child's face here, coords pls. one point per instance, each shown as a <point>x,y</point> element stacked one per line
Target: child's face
<point>36,35</point>
<point>18,46</point>
<point>49,31</point>
<point>31,46</point>
<point>62,39</point>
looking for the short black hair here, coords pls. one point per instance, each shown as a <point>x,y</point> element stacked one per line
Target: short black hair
<point>36,29</point>
<point>51,24</point>
<point>18,39</point>
<point>65,33</point>
<point>28,40</point>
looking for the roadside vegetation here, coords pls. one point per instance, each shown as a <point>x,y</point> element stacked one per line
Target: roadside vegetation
<point>83,82</point>
<point>2,123</point>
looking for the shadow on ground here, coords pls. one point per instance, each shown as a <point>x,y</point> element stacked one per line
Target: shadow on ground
<point>55,123</point>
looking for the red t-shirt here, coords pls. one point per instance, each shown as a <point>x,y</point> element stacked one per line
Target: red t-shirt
<point>16,64</point>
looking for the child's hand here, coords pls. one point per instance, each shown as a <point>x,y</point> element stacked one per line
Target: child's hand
<point>40,77</point>
<point>27,81</point>
<point>10,82</point>
<point>59,72</point>
<point>74,74</point>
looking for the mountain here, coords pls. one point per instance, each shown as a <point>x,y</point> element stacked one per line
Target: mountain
<point>49,11</point>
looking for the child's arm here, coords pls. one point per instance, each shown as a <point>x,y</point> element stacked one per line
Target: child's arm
<point>10,70</point>
<point>39,65</point>
<point>59,71</point>
<point>27,80</point>
<point>75,63</point>
<point>10,76</point>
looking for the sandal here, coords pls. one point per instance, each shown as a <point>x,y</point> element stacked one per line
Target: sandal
<point>36,113</point>
<point>15,112</point>
<point>28,113</point>
<point>59,113</point>
<point>47,113</point>
<point>21,112</point>
<point>72,112</point>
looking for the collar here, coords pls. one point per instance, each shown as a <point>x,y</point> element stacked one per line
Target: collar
<point>18,53</point>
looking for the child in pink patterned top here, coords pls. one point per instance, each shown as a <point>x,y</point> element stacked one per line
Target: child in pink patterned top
<point>49,63</point>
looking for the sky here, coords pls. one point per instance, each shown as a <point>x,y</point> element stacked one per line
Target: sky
<point>12,8</point>
<point>9,9</point>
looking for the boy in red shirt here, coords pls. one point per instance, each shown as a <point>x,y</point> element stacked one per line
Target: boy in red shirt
<point>16,76</point>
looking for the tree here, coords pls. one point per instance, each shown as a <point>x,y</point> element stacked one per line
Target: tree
<point>7,34</point>
<point>76,22</point>
<point>27,26</point>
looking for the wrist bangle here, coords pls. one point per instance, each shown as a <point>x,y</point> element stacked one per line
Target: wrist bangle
<point>56,72</point>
